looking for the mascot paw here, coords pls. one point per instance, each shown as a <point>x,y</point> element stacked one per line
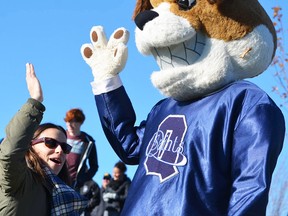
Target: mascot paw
<point>106,58</point>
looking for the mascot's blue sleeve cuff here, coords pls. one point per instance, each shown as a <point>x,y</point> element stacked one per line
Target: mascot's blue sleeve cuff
<point>106,85</point>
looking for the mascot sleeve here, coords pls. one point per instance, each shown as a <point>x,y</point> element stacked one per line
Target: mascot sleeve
<point>118,118</point>
<point>254,156</point>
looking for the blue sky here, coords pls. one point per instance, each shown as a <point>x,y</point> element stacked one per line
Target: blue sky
<point>49,34</point>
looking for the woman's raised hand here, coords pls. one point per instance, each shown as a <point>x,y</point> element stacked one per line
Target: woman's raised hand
<point>33,84</point>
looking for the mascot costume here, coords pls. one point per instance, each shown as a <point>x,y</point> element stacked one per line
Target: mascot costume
<point>210,147</point>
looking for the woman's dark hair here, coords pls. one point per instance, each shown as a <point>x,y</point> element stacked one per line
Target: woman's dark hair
<point>121,166</point>
<point>35,162</point>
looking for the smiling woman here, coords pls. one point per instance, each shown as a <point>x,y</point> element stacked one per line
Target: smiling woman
<point>50,150</point>
<point>34,176</point>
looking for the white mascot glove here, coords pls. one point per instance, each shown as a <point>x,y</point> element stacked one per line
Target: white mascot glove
<point>108,196</point>
<point>106,59</point>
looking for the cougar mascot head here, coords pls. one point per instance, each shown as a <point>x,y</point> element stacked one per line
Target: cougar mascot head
<point>201,45</point>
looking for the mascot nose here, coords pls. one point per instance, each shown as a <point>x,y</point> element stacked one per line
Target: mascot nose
<point>142,18</point>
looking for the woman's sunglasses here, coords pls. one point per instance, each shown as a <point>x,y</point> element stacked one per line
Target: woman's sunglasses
<point>52,144</point>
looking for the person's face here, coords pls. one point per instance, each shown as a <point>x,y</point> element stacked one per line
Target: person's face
<point>117,174</point>
<point>52,158</point>
<point>73,127</point>
<point>105,182</point>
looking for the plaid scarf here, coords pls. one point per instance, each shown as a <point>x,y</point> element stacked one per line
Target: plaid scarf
<point>65,200</point>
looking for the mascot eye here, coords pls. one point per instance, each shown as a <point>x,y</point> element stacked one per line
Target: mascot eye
<point>186,4</point>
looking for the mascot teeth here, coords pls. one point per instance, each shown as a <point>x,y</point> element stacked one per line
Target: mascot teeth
<point>183,54</point>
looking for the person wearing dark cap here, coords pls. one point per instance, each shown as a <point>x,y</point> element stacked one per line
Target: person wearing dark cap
<point>99,210</point>
<point>83,150</point>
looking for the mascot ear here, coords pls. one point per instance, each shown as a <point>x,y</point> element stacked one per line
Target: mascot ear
<point>141,5</point>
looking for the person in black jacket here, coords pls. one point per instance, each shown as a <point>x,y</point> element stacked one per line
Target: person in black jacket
<point>116,191</point>
<point>99,209</point>
<point>91,191</point>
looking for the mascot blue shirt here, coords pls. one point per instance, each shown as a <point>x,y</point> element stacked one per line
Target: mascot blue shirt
<point>211,156</point>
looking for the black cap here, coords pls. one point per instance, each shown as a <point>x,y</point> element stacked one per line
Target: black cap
<point>107,176</point>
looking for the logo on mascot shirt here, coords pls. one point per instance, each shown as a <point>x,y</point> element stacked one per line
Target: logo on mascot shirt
<point>165,149</point>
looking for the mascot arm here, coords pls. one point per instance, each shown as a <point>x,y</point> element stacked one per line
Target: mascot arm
<point>257,144</point>
<point>117,117</point>
<point>105,58</point>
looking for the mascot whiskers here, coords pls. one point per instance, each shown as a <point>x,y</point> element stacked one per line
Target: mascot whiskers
<point>209,147</point>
